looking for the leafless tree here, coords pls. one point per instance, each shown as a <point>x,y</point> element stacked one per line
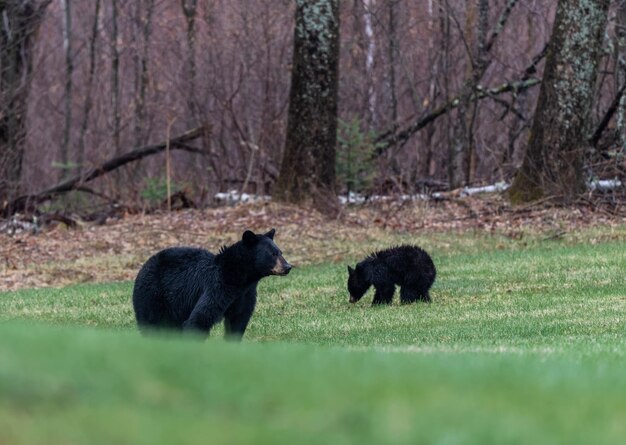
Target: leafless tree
<point>115,77</point>
<point>393,53</point>
<point>64,164</point>
<point>146,12</point>
<point>80,155</point>
<point>620,68</point>
<point>190,10</point>
<point>462,150</point>
<point>19,22</point>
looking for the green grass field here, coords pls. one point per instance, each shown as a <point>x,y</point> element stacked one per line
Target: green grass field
<point>525,342</point>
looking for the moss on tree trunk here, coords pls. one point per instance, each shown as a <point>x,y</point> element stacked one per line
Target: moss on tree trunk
<point>307,173</point>
<point>553,165</point>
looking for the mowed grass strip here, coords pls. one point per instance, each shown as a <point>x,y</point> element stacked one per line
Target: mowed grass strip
<point>62,385</point>
<point>547,297</point>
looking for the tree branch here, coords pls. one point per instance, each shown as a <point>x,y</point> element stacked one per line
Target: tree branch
<point>388,138</point>
<point>26,201</point>
<point>595,138</point>
<point>393,137</point>
<point>532,68</point>
<point>504,17</point>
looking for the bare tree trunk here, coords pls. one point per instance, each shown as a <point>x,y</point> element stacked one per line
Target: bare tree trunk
<point>140,106</point>
<point>190,10</point>
<point>444,23</point>
<point>511,155</point>
<point>481,63</point>
<point>462,157</point>
<point>370,53</point>
<point>115,78</point>
<point>19,21</point>
<point>392,37</point>
<point>462,160</point>
<point>307,172</point>
<point>553,165</point>
<point>620,69</point>
<point>64,167</point>
<point>80,156</point>
<point>458,152</point>
<point>426,166</point>
<point>195,109</point>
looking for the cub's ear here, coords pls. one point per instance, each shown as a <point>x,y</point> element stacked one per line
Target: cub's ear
<point>350,270</point>
<point>249,238</point>
<point>270,234</point>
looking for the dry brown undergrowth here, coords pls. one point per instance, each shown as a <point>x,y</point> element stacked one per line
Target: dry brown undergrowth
<point>114,251</point>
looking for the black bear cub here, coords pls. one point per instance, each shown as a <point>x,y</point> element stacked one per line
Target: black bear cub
<point>192,289</point>
<point>410,267</point>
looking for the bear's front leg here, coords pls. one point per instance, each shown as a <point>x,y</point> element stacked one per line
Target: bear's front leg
<point>237,316</point>
<point>383,294</point>
<point>206,314</point>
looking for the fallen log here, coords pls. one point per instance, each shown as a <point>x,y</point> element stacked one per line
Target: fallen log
<point>27,202</point>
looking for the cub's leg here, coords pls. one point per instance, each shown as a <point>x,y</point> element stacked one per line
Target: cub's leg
<point>417,287</point>
<point>408,295</point>
<point>384,293</point>
<point>424,296</point>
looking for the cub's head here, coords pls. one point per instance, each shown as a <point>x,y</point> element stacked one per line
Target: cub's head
<point>266,257</point>
<point>357,284</point>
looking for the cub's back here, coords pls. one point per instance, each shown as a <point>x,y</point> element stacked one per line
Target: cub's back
<point>403,258</point>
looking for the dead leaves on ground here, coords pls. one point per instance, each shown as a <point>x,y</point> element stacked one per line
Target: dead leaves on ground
<point>59,256</point>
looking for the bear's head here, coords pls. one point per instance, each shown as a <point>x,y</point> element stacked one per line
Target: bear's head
<point>266,256</point>
<point>357,283</point>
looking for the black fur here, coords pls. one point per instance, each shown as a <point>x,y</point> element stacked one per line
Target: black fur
<point>410,267</point>
<point>192,289</point>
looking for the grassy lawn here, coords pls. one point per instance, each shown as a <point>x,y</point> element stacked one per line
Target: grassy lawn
<point>525,342</point>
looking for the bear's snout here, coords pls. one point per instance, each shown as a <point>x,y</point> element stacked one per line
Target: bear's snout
<point>282,267</point>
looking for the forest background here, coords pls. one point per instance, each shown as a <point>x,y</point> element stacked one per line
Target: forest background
<point>432,95</point>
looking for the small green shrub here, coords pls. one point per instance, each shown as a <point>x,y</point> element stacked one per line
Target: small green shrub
<point>154,191</point>
<point>354,162</point>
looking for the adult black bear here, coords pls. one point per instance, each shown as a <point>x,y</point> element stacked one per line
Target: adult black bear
<point>410,267</point>
<point>192,289</point>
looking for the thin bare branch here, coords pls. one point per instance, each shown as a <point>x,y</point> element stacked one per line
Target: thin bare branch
<point>385,140</point>
<point>504,17</point>
<point>179,142</point>
<point>604,122</point>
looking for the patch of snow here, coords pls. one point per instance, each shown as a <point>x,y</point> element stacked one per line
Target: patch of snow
<point>233,196</point>
<point>604,184</point>
<point>495,188</point>
<point>357,198</point>
<point>19,224</point>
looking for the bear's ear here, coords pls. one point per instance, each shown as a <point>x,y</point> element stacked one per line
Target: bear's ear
<point>350,270</point>
<point>249,238</point>
<point>270,234</point>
